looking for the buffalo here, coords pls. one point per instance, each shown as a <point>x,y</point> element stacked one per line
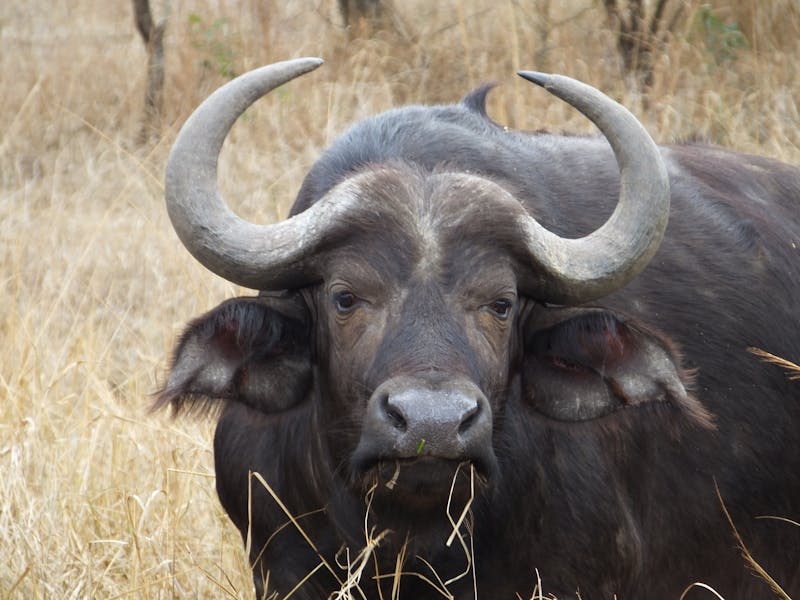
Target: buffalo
<point>481,358</point>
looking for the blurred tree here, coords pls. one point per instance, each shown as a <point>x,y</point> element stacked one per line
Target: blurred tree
<point>363,17</point>
<point>153,37</point>
<point>355,10</point>
<point>643,30</point>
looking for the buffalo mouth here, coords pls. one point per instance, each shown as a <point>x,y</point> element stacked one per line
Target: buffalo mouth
<point>424,483</point>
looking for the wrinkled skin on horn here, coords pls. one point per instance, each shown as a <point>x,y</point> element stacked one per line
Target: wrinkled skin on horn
<point>283,255</point>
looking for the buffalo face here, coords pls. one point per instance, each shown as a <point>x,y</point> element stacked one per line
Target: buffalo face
<point>416,331</point>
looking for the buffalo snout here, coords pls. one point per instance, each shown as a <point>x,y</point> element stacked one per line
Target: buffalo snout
<point>408,419</point>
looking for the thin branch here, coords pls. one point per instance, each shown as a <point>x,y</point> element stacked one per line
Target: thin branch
<point>153,37</point>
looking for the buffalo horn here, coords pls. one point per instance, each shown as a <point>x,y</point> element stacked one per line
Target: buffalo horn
<point>572,271</point>
<point>273,256</point>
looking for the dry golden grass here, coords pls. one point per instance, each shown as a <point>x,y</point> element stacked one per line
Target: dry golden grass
<point>97,497</point>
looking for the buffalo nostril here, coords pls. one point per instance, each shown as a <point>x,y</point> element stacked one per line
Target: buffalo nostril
<point>469,419</point>
<point>393,414</point>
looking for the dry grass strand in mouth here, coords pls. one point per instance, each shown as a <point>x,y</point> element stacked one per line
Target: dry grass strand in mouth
<point>457,524</point>
<point>469,551</point>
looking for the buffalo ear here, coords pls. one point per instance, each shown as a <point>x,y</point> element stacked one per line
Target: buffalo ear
<point>249,350</point>
<point>584,363</point>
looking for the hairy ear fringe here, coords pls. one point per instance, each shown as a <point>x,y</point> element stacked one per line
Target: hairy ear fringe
<point>187,404</point>
<point>248,350</point>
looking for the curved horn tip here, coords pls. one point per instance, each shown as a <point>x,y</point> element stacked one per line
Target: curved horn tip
<point>301,65</point>
<point>255,256</point>
<point>540,79</point>
<point>611,256</point>
<point>313,61</point>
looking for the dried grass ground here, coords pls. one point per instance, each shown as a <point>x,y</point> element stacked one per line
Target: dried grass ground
<point>99,499</point>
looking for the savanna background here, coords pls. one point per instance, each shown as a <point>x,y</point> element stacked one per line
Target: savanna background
<point>99,498</point>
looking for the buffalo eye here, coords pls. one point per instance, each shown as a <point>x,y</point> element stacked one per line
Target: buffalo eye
<point>501,308</point>
<point>345,302</point>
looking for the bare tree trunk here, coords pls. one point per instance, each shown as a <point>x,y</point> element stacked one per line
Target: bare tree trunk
<point>352,10</point>
<point>153,37</point>
<point>640,38</point>
<point>363,17</point>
